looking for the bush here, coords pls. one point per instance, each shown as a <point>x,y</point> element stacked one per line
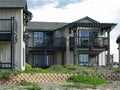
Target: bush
<point>5,75</point>
<point>58,69</point>
<point>117,70</point>
<point>39,70</point>
<point>87,80</point>
<point>71,67</point>
<point>28,67</point>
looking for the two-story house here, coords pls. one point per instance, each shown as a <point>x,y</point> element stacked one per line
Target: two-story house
<point>14,16</point>
<point>83,42</point>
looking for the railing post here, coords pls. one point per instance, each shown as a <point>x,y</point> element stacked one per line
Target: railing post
<point>12,45</point>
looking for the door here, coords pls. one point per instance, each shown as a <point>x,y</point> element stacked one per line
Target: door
<point>83,59</point>
<point>43,60</point>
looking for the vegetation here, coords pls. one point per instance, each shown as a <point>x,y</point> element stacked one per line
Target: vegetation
<point>34,87</point>
<point>117,70</point>
<point>5,75</point>
<point>85,81</point>
<point>59,69</point>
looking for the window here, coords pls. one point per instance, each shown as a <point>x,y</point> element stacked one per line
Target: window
<point>43,60</point>
<point>38,38</point>
<point>84,33</point>
<point>83,59</point>
<point>88,33</point>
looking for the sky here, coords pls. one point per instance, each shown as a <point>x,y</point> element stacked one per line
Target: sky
<point>104,11</point>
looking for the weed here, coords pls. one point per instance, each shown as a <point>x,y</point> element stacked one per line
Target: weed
<point>34,87</point>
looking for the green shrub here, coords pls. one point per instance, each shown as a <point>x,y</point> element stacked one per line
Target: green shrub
<point>87,80</point>
<point>28,67</point>
<point>39,70</point>
<point>5,75</point>
<point>117,70</point>
<point>58,69</point>
<point>71,67</point>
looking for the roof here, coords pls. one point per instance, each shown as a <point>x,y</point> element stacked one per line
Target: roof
<point>13,4</point>
<point>45,26</point>
<point>91,23</point>
<point>86,20</point>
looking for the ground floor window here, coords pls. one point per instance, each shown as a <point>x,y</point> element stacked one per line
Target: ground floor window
<point>83,59</point>
<point>43,60</point>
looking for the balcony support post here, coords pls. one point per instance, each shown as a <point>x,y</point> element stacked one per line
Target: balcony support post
<point>108,52</point>
<point>74,32</point>
<point>12,45</point>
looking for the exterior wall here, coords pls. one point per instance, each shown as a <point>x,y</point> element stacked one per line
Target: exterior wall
<point>5,52</point>
<point>58,58</point>
<point>20,45</point>
<point>102,59</point>
<point>68,57</point>
<point>102,55</point>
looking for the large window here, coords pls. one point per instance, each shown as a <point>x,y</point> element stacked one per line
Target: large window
<point>38,38</point>
<point>84,33</point>
<point>43,60</point>
<point>88,33</point>
<point>42,37</point>
<point>83,59</point>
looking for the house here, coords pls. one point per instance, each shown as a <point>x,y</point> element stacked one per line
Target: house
<point>118,42</point>
<point>84,42</point>
<point>14,16</point>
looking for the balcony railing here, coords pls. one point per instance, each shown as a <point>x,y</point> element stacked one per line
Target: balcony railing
<point>38,43</point>
<point>6,28</point>
<point>89,43</point>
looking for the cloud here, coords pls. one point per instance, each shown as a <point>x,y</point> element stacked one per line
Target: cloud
<point>100,10</point>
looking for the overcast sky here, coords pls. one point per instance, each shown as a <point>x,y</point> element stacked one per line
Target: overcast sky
<point>106,11</point>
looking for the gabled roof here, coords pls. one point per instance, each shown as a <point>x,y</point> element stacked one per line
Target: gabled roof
<point>45,26</point>
<point>86,20</point>
<point>13,4</point>
<point>91,23</point>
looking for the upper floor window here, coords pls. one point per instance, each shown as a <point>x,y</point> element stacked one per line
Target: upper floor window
<point>84,33</point>
<point>88,33</point>
<point>38,38</point>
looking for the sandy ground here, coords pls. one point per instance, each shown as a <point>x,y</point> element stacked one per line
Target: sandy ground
<point>60,86</point>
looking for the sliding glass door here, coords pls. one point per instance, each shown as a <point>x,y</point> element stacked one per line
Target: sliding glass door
<point>43,60</point>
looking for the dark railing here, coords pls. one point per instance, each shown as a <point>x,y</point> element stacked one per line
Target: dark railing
<point>47,43</point>
<point>89,43</point>
<point>5,65</point>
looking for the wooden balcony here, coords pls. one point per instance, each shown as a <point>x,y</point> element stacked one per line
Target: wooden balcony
<point>49,44</point>
<point>89,44</point>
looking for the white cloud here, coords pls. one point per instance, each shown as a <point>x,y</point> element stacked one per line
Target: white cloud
<point>100,10</point>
